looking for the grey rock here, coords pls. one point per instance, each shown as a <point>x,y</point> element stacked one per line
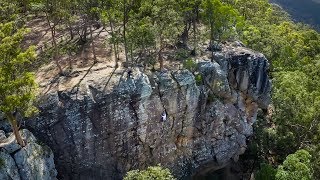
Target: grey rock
<point>220,58</point>
<point>248,73</point>
<point>215,47</point>
<point>101,132</point>
<point>215,78</point>
<point>8,168</point>
<point>9,144</point>
<point>34,161</point>
<point>4,125</point>
<point>2,135</point>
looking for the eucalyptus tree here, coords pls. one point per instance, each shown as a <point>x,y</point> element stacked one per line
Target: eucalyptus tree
<point>9,11</point>
<point>129,9</point>
<point>54,14</point>
<point>111,16</point>
<point>166,21</point>
<point>190,10</point>
<point>295,167</point>
<point>17,83</point>
<point>141,40</point>
<point>221,18</point>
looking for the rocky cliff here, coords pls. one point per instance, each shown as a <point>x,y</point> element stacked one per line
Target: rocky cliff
<point>107,125</point>
<point>34,161</point>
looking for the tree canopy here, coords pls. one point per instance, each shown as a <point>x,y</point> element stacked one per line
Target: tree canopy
<point>17,84</point>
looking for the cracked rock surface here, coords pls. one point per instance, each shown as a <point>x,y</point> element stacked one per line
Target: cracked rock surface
<point>34,161</point>
<point>109,125</point>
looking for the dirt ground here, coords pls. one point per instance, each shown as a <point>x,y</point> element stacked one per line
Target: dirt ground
<point>79,63</point>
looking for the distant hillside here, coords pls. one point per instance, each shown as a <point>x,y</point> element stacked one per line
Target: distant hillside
<point>306,11</point>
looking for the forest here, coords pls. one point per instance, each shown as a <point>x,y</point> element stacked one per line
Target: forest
<point>302,11</point>
<point>285,145</point>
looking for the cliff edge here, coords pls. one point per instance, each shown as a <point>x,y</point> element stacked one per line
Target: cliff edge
<point>106,125</point>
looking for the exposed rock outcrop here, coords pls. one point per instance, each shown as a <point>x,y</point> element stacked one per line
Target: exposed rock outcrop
<point>34,161</point>
<point>106,126</point>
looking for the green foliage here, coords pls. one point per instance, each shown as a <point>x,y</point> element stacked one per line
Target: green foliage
<point>293,51</point>
<point>315,160</point>
<point>305,11</point>
<point>269,30</point>
<point>17,84</point>
<point>296,167</point>
<point>8,11</point>
<point>55,9</point>
<point>142,34</point>
<point>37,7</point>
<point>155,173</point>
<point>2,163</point>
<point>212,97</point>
<point>181,54</point>
<point>221,18</point>
<point>167,21</point>
<point>141,38</point>
<point>266,172</point>
<point>199,79</point>
<point>190,64</point>
<point>291,94</point>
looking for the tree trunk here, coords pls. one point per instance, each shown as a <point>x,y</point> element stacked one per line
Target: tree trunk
<point>93,46</point>
<point>55,51</point>
<point>24,5</point>
<point>185,35</point>
<point>125,16</point>
<point>54,43</point>
<point>83,36</point>
<point>15,128</point>
<point>195,41</point>
<point>114,46</point>
<point>70,31</point>
<point>160,60</point>
<point>117,45</point>
<point>131,55</point>
<point>211,41</point>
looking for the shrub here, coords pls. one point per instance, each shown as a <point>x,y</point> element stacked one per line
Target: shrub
<point>2,163</point>
<point>199,79</point>
<point>181,54</point>
<point>190,64</point>
<point>154,173</point>
<point>266,172</point>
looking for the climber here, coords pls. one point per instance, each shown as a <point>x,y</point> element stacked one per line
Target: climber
<point>164,116</point>
<point>129,73</point>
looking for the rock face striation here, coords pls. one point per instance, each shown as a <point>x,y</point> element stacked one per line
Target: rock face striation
<point>109,125</point>
<point>34,161</point>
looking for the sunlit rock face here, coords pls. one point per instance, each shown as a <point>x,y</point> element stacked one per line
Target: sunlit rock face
<point>100,130</point>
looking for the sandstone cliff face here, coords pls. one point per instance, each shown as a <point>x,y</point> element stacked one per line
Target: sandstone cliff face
<point>107,126</point>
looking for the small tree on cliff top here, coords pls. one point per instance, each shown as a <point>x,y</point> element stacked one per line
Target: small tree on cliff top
<point>17,84</point>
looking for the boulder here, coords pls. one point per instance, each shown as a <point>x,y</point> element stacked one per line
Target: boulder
<point>8,168</point>
<point>2,135</point>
